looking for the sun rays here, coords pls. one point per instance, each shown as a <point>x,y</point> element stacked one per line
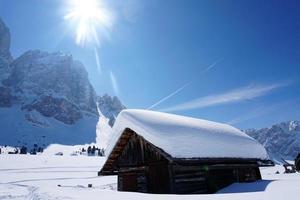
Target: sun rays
<point>92,20</point>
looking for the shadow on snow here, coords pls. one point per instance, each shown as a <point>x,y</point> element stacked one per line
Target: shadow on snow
<point>257,186</point>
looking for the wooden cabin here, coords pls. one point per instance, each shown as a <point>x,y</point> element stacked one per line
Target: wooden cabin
<point>161,153</point>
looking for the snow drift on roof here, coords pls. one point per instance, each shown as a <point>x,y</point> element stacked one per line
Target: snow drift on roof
<point>186,137</point>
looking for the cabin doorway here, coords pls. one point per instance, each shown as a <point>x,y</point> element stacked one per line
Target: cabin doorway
<point>158,178</point>
<point>220,178</point>
<point>128,182</point>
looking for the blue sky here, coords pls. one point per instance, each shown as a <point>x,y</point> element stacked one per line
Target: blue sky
<point>229,61</point>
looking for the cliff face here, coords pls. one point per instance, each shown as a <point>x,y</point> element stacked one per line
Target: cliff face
<point>5,60</point>
<point>5,56</point>
<point>4,42</point>
<point>53,84</point>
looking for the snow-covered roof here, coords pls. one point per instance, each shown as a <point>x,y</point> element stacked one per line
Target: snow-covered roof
<point>186,137</point>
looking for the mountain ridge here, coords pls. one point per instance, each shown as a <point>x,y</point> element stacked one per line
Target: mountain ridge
<point>281,140</point>
<point>47,98</point>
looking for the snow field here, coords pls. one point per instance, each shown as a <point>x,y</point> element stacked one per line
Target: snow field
<point>38,177</point>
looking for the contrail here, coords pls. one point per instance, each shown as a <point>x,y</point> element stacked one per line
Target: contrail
<point>181,88</point>
<point>169,96</point>
<point>211,66</point>
<point>236,95</point>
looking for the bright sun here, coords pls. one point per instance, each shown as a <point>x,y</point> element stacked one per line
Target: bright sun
<point>92,20</point>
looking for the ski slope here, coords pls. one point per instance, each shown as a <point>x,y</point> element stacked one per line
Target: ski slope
<point>38,177</point>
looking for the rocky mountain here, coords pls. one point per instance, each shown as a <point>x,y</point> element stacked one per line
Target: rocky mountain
<point>281,140</point>
<point>47,98</point>
<point>5,56</point>
<point>110,107</point>
<point>53,84</point>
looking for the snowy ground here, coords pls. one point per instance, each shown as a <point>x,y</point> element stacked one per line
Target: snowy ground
<point>38,177</point>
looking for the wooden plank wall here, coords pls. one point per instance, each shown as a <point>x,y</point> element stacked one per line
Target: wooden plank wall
<point>189,180</point>
<point>203,179</point>
<point>140,181</point>
<point>138,152</point>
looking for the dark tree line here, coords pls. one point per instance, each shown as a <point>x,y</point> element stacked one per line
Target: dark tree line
<point>90,151</point>
<point>24,150</point>
<point>93,151</point>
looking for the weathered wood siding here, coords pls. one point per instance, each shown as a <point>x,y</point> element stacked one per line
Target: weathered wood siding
<point>142,167</point>
<point>133,180</point>
<point>201,179</point>
<point>138,152</point>
<point>158,178</point>
<point>189,180</point>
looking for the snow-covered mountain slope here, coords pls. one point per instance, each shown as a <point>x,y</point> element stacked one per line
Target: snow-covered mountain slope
<point>47,98</point>
<point>281,140</point>
<point>103,130</point>
<point>20,128</point>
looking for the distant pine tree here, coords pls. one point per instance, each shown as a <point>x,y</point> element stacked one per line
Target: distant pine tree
<point>93,150</point>
<point>100,152</point>
<point>89,150</point>
<point>33,151</point>
<point>40,150</point>
<point>23,150</point>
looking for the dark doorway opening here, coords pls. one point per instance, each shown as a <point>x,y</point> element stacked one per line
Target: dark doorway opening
<point>158,178</point>
<point>129,182</point>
